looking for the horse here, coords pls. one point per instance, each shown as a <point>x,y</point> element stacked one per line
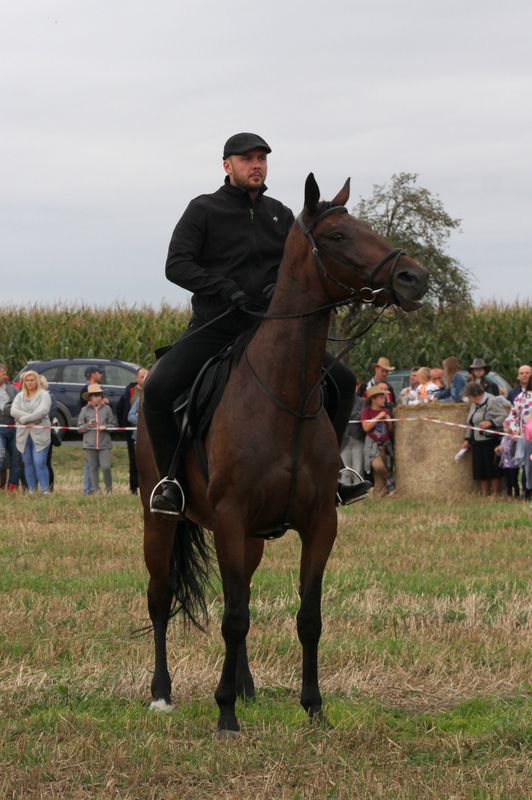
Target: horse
<point>272,454</point>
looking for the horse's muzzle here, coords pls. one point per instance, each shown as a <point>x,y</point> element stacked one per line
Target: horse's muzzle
<point>409,285</point>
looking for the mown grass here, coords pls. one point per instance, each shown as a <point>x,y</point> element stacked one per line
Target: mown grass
<point>424,661</point>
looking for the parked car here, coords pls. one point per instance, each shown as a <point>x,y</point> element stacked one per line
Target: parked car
<point>400,377</point>
<point>66,378</point>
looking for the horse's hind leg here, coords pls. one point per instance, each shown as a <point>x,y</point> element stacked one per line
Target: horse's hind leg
<point>315,552</point>
<point>157,549</point>
<point>159,604</point>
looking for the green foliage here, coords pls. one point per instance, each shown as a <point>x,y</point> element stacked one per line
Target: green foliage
<point>502,335</point>
<point>131,334</point>
<point>412,218</point>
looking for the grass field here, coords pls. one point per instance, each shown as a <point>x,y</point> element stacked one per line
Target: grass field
<point>425,659</point>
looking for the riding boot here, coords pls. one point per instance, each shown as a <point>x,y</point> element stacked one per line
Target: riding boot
<point>164,437</point>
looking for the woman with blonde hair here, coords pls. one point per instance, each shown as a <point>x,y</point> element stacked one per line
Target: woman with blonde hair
<point>30,409</point>
<point>454,382</point>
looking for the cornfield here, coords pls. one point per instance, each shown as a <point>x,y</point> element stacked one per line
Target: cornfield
<point>131,334</point>
<point>502,335</point>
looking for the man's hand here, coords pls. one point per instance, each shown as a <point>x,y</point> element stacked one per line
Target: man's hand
<point>239,299</point>
<point>268,291</point>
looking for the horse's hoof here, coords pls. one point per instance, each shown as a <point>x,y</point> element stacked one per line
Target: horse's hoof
<point>319,719</point>
<point>224,733</point>
<point>161,705</point>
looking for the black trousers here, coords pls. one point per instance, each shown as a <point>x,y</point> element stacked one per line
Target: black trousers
<point>176,370</point>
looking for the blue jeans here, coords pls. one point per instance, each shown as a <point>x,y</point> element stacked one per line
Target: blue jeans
<point>8,447</point>
<point>35,468</point>
<point>87,483</point>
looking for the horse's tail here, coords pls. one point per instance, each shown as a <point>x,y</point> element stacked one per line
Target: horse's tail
<point>190,568</point>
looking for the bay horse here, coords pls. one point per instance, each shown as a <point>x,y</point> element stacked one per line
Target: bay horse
<point>273,457</point>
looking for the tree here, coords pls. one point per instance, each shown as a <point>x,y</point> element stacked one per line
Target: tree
<point>412,218</point>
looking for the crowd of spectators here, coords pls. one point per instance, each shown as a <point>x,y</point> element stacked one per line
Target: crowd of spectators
<point>367,452</point>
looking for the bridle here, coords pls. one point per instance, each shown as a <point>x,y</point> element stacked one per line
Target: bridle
<point>367,294</point>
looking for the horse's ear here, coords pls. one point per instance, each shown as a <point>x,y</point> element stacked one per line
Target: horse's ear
<point>343,195</point>
<point>312,194</point>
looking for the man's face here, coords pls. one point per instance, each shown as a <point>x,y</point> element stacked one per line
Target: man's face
<point>3,375</point>
<point>141,377</point>
<point>523,374</point>
<point>414,379</point>
<point>381,374</point>
<point>247,171</point>
<point>95,377</point>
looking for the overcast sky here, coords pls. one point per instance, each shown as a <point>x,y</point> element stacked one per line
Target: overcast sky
<point>114,116</point>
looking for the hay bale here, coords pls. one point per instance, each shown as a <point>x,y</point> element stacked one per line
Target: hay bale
<point>424,452</point>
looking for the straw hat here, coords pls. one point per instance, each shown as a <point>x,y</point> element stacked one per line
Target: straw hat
<point>93,388</point>
<point>384,363</point>
<point>375,390</point>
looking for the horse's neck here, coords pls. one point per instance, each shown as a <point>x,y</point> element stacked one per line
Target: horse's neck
<point>288,353</point>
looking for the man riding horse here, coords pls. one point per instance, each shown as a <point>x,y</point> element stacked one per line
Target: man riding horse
<point>226,249</point>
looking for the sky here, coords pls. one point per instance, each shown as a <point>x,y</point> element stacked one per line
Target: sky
<point>114,116</point>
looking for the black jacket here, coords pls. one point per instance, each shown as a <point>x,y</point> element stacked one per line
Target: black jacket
<point>225,242</point>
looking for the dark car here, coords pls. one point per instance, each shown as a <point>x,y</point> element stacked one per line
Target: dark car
<point>66,378</point>
<point>400,377</point>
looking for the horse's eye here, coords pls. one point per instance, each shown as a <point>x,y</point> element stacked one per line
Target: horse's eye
<point>336,236</point>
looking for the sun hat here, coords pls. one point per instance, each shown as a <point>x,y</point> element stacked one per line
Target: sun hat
<point>375,390</point>
<point>384,363</point>
<point>92,368</point>
<point>244,142</point>
<point>479,363</point>
<point>93,388</point>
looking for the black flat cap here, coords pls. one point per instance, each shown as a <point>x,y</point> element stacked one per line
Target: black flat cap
<point>243,143</point>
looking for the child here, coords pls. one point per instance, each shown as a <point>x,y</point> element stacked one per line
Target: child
<point>94,420</point>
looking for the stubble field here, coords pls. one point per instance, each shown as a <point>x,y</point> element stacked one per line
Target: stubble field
<point>424,660</point>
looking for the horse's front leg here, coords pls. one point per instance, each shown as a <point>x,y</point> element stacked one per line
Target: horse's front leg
<point>316,547</point>
<point>245,687</point>
<point>230,549</point>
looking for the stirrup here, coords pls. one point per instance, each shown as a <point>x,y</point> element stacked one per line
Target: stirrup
<point>361,485</point>
<point>163,482</point>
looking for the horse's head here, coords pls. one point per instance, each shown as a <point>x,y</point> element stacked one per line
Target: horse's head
<point>353,261</point>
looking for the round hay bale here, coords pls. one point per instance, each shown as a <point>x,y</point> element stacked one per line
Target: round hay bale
<point>424,452</point>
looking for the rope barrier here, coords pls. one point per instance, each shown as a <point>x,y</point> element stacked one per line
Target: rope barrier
<point>351,422</point>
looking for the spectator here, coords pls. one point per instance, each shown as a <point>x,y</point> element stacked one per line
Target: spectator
<point>30,408</point>
<point>353,444</point>
<point>517,420</point>
<point>436,376</point>
<point>93,374</point>
<point>523,374</point>
<point>426,389</point>
<point>408,395</point>
<point>378,449</point>
<point>487,414</point>
<point>94,420</point>
<point>8,446</point>
<point>478,371</point>
<point>510,468</point>
<point>454,382</point>
<point>125,404</point>
<point>382,369</point>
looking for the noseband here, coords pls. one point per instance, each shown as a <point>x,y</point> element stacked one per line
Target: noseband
<point>366,294</point>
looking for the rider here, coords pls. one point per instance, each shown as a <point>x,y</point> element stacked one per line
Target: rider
<point>226,249</point>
